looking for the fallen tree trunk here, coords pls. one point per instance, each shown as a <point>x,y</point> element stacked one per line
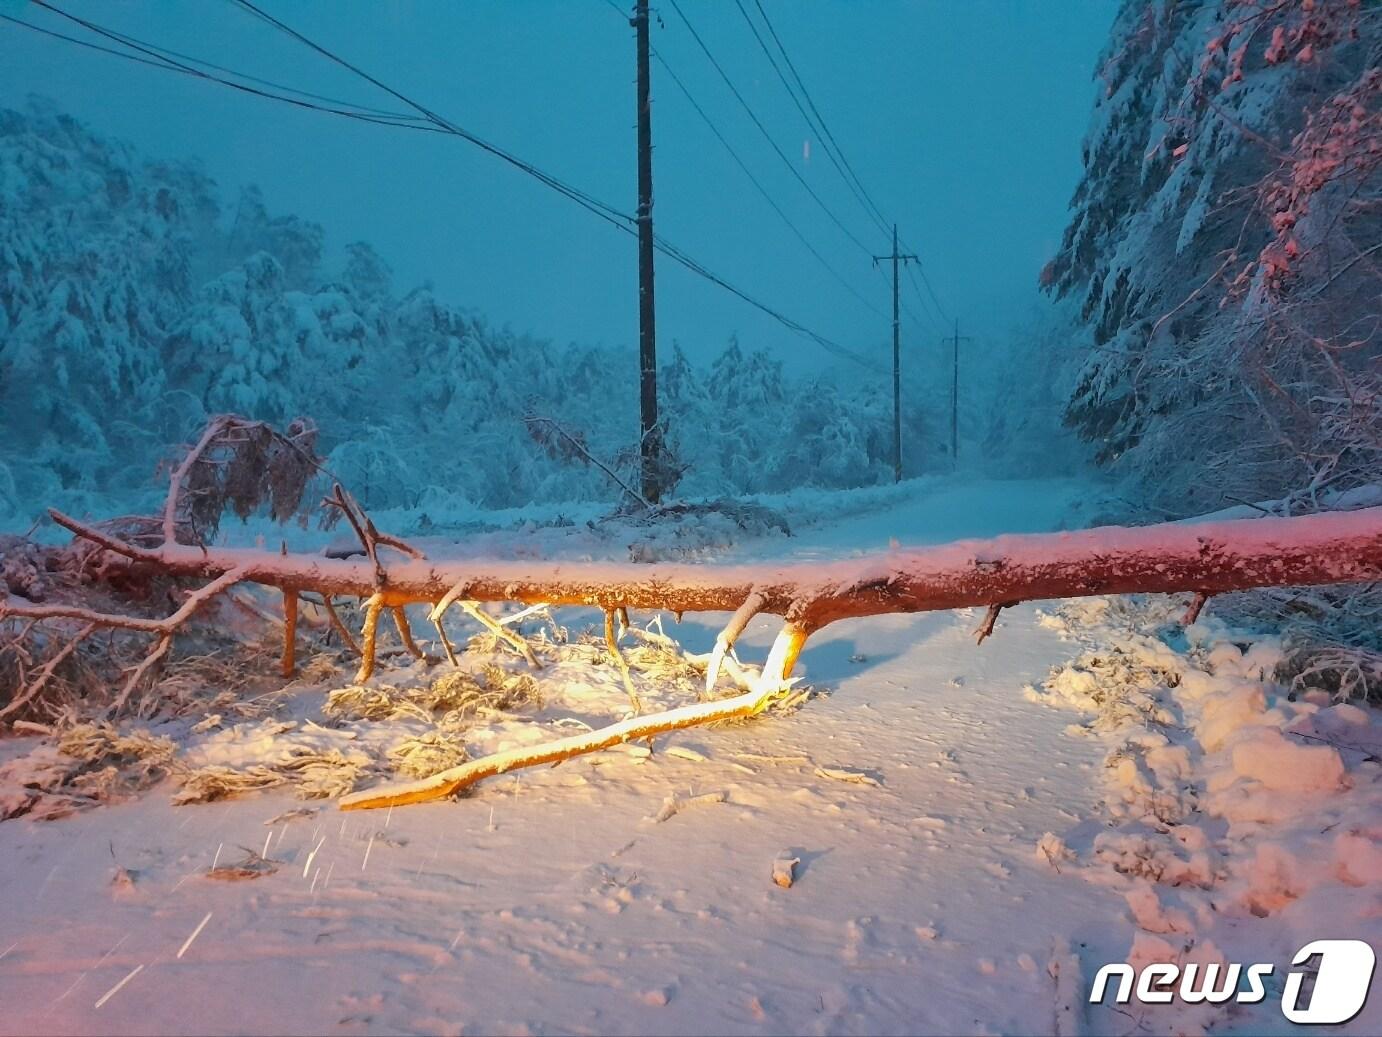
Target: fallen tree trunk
<point>1206,559</point>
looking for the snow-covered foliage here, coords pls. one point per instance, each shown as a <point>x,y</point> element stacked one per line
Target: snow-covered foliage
<point>1223,247</point>
<point>132,306</point>
<point>96,266</point>
<point>1239,812</point>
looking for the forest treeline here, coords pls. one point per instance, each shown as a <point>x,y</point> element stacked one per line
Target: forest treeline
<point>135,302</point>
<point>1215,337</point>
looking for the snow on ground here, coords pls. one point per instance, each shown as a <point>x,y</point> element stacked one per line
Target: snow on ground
<point>991,846</point>
<point>1241,820</point>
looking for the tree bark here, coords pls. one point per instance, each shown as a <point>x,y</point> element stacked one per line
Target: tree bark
<point>1208,558</point>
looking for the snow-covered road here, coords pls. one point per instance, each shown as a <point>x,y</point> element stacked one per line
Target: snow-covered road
<point>551,901</point>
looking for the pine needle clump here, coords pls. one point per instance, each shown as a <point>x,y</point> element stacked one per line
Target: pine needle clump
<point>457,696</point>
<point>312,772</point>
<point>427,754</point>
<point>86,765</point>
<point>110,765</point>
<point>244,464</point>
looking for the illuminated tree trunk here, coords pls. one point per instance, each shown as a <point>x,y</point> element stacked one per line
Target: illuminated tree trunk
<point>1206,559</point>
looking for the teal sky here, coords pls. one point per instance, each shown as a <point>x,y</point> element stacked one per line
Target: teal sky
<point>963,119</point>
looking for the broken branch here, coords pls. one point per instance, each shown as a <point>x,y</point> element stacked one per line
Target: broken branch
<point>612,642</point>
<point>990,618</point>
<point>1192,613</point>
<point>405,632</point>
<point>472,609</point>
<point>771,684</point>
<point>752,605</point>
<point>334,618</point>
<point>290,630</point>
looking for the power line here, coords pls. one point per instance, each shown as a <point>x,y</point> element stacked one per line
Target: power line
<point>820,119</point>
<point>767,196</point>
<point>829,144</point>
<point>921,317</point>
<point>155,61</point>
<point>572,192</point>
<point>921,272</point>
<point>828,345</point>
<point>763,191</point>
<point>664,246</point>
<point>605,212</point>
<point>764,130</point>
<point>609,214</point>
<point>927,323</point>
<point>141,44</point>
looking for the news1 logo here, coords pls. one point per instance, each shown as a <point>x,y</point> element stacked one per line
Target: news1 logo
<point>1342,981</point>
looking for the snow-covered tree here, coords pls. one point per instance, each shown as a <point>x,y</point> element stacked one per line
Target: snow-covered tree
<point>119,284</point>
<point>296,243</point>
<point>1223,249</point>
<point>96,251</point>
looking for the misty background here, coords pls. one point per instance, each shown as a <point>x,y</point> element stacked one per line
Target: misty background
<point>961,119</point>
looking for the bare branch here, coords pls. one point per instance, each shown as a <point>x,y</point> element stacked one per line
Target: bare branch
<point>990,618</point>
<point>612,642</point>
<point>580,448</point>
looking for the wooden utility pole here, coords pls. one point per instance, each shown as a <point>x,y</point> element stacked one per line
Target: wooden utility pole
<point>897,358</point>
<point>955,341</point>
<point>650,443</point>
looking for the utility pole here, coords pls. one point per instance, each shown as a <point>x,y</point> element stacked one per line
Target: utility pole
<point>651,441</point>
<point>897,358</point>
<point>955,341</point>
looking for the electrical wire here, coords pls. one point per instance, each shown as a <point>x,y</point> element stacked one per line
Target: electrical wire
<point>767,196</point>
<point>764,130</point>
<point>161,63</point>
<point>827,141</point>
<point>830,145</point>
<point>157,57</point>
<point>662,244</point>
<point>920,272</point>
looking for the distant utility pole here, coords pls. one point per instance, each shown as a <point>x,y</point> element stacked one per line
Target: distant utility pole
<point>651,442</point>
<point>897,358</point>
<point>955,341</point>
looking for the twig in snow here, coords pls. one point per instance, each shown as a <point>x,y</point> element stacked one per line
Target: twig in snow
<point>683,753</point>
<point>854,777</point>
<point>253,866</point>
<point>1192,613</point>
<point>761,758</point>
<point>785,871</point>
<point>673,805</point>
